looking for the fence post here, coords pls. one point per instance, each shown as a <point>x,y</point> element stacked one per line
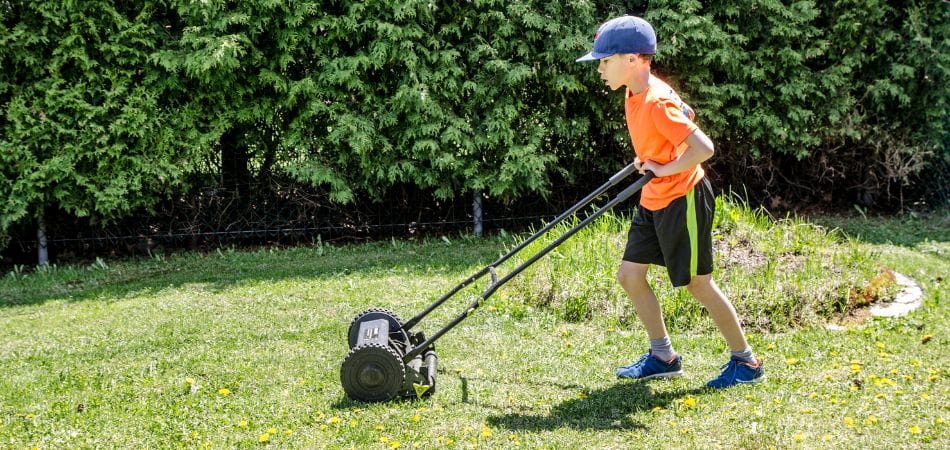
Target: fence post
<point>477,213</point>
<point>42,253</point>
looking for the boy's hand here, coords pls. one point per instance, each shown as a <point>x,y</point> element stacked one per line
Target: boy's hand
<point>659,170</point>
<point>638,164</point>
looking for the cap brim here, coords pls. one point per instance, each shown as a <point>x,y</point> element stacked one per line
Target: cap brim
<point>592,56</point>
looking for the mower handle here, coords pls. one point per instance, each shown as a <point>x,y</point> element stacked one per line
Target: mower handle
<point>613,181</point>
<point>623,195</point>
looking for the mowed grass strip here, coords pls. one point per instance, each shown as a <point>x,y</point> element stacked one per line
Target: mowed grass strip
<point>242,349</point>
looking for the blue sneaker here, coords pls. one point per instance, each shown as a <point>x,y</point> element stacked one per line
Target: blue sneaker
<point>738,372</point>
<point>649,366</point>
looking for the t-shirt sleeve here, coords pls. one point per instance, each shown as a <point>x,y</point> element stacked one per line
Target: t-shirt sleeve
<point>672,122</point>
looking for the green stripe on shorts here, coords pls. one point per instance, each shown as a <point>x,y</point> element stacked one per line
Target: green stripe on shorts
<point>693,231</point>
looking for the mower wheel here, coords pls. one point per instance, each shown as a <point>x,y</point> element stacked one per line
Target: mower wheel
<point>372,373</point>
<point>395,323</point>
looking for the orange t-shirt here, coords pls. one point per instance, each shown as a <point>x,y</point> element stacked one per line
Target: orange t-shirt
<point>659,123</point>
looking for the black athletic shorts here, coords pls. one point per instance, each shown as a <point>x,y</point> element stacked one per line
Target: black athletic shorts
<point>678,236</point>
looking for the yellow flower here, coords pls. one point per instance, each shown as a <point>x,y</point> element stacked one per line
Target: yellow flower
<point>394,445</point>
<point>799,437</point>
<point>791,361</point>
<point>190,380</point>
<point>940,421</point>
<point>416,418</point>
<point>354,423</point>
<point>486,432</point>
<point>826,438</point>
<point>288,432</point>
<point>914,429</point>
<point>807,410</point>
<point>771,347</point>
<point>334,420</point>
<point>871,420</point>
<point>264,438</point>
<point>689,402</point>
<point>242,424</point>
<point>380,428</point>
<point>224,392</point>
<point>849,421</point>
<point>272,430</point>
<point>855,368</point>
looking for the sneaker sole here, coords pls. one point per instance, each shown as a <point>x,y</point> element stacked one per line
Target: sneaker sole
<point>666,375</point>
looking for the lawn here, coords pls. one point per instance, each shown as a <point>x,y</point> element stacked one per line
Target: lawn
<point>243,349</point>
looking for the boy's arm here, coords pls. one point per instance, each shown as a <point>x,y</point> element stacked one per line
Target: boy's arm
<point>698,149</point>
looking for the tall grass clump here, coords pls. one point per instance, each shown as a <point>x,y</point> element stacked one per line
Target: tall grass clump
<point>778,273</point>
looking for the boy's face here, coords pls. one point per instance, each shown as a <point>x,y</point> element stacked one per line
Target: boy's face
<point>620,69</point>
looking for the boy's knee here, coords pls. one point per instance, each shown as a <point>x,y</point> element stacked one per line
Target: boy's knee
<point>630,274</point>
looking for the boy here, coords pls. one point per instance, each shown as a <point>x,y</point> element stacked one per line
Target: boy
<point>673,225</point>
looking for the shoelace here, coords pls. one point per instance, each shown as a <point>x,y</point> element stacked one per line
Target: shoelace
<point>639,361</point>
<point>732,364</point>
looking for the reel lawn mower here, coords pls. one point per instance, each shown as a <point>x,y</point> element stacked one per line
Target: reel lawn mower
<point>387,359</point>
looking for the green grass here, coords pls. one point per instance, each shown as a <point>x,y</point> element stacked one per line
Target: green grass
<point>137,354</point>
<point>779,274</point>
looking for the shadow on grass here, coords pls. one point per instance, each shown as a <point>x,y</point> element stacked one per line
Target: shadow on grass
<point>604,409</point>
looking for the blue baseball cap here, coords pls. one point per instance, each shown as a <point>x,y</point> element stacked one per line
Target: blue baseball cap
<point>626,34</point>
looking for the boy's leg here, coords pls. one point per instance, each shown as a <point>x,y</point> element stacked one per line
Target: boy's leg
<point>633,279</point>
<point>705,290</point>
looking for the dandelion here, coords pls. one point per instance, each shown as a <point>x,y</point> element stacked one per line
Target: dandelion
<point>416,418</point>
<point>264,438</point>
<point>689,402</point>
<point>334,420</point>
<point>799,437</point>
<point>791,361</point>
<point>849,421</point>
<point>242,424</point>
<point>871,420</point>
<point>940,421</point>
<point>855,368</point>
<point>826,438</point>
<point>288,432</point>
<point>486,431</point>
<point>914,429</point>
<point>190,380</point>
<point>394,445</point>
<point>354,423</point>
<point>224,392</point>
<point>771,347</point>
